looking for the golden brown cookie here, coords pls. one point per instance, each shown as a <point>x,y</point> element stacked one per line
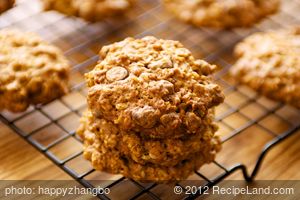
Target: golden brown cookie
<point>153,87</point>
<point>270,64</point>
<point>31,71</point>
<point>90,10</point>
<point>6,4</point>
<point>222,13</point>
<point>105,156</point>
<point>163,152</point>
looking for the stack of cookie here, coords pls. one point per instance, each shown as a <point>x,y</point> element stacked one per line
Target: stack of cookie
<point>151,110</point>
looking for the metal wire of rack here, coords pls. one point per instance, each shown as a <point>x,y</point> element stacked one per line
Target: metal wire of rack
<point>53,126</point>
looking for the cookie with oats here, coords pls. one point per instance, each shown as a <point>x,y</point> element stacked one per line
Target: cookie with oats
<point>31,71</point>
<point>162,152</point>
<point>90,10</point>
<point>269,63</point>
<point>222,13</point>
<point>152,86</point>
<point>161,161</point>
<point>6,4</point>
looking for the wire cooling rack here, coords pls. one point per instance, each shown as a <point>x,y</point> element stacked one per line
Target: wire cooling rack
<point>51,128</point>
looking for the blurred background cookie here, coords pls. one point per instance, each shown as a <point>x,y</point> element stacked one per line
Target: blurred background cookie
<point>32,71</point>
<point>269,63</point>
<point>90,10</point>
<point>6,4</point>
<point>222,13</point>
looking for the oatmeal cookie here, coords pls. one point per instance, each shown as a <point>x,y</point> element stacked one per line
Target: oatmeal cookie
<point>114,161</point>
<point>152,86</point>
<point>31,71</point>
<point>90,10</point>
<point>164,152</point>
<point>6,4</point>
<point>270,64</point>
<point>222,13</point>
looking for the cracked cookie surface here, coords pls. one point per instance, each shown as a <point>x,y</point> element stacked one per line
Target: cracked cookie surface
<point>269,63</point>
<point>31,71</point>
<point>222,13</point>
<point>90,10</point>
<point>154,87</point>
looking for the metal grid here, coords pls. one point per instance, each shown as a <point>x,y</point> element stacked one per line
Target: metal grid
<point>50,128</point>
